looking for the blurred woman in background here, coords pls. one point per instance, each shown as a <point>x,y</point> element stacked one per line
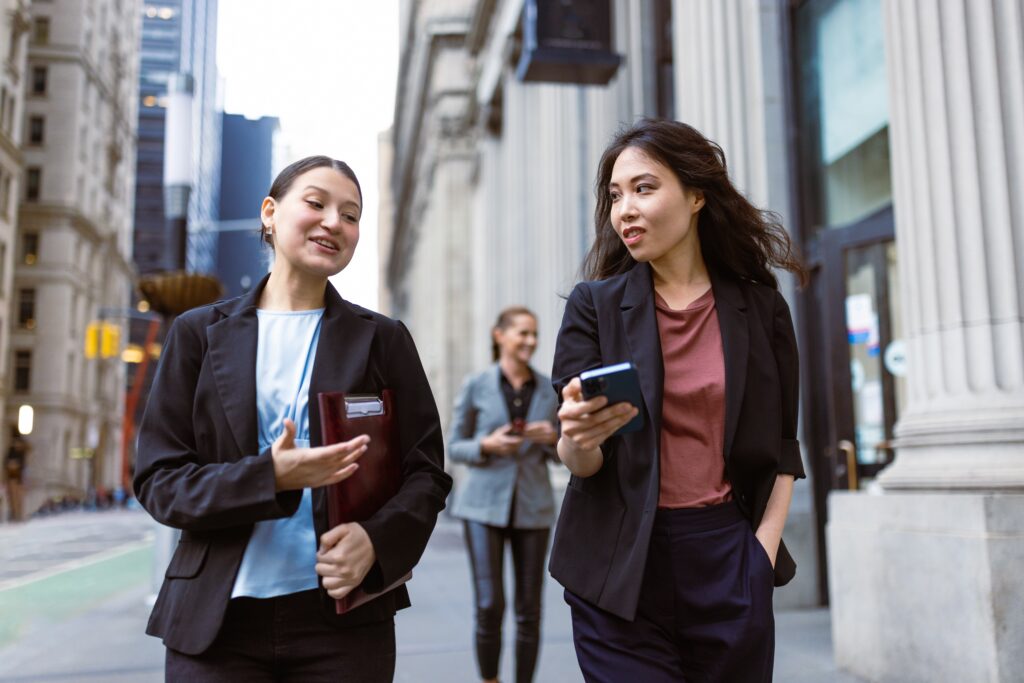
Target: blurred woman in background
<point>503,428</point>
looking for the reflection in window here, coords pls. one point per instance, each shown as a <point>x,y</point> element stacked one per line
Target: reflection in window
<point>844,110</point>
<point>27,309</point>
<point>29,248</point>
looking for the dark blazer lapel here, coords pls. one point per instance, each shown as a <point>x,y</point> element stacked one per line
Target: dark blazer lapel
<point>342,354</point>
<point>232,352</point>
<point>641,325</point>
<point>732,319</point>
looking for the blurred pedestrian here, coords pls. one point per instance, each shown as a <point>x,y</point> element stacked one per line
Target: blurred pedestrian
<point>503,428</point>
<point>229,452</point>
<point>669,539</point>
<point>14,472</point>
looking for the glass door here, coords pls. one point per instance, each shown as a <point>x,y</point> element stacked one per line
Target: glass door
<point>865,347</point>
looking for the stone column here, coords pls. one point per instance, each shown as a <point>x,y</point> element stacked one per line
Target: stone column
<point>925,577</point>
<point>956,70</point>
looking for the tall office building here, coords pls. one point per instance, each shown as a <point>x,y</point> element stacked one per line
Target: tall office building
<point>73,260</point>
<point>178,36</point>
<point>247,168</point>
<point>13,39</point>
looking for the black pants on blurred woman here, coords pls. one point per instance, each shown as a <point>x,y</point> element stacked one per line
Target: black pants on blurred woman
<point>486,545</point>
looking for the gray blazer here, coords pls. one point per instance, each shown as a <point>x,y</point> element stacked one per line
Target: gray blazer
<point>485,494</point>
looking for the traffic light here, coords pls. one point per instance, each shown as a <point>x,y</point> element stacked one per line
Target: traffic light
<point>92,340</point>
<point>102,340</point>
<point>110,345</point>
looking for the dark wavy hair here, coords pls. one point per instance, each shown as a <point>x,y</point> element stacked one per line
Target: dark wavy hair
<point>736,238</point>
<point>283,182</point>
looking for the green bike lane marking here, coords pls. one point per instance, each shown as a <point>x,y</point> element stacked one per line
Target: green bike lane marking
<point>51,597</point>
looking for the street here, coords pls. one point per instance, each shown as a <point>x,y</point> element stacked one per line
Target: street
<point>73,607</point>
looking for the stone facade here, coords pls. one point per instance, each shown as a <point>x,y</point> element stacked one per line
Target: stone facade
<point>76,206</point>
<point>930,569</point>
<point>492,180</point>
<point>15,81</point>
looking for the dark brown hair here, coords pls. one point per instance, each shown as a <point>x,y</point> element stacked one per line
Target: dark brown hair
<point>283,182</point>
<point>736,238</point>
<point>505,320</point>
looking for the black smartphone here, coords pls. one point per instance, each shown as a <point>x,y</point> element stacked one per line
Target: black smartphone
<point>619,383</point>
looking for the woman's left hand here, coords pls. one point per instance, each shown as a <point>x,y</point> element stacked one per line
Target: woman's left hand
<point>345,557</point>
<point>542,432</point>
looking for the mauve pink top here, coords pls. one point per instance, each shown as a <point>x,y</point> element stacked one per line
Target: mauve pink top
<point>693,406</point>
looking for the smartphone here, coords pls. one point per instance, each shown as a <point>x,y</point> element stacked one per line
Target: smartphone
<point>518,427</point>
<point>619,383</point>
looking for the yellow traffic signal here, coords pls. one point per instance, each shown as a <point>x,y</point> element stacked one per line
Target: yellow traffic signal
<point>110,346</point>
<point>92,340</point>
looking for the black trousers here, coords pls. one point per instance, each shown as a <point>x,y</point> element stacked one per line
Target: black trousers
<point>486,545</point>
<point>288,639</point>
<point>705,610</point>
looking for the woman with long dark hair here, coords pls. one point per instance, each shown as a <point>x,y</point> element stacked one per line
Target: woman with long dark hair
<point>669,540</point>
<point>503,429</point>
<point>230,452</point>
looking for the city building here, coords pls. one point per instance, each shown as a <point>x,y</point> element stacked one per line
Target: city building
<point>889,136</point>
<point>178,36</point>
<point>13,43</point>
<point>73,255</point>
<point>249,159</point>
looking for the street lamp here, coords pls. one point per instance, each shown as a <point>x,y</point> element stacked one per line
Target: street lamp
<point>178,163</point>
<point>26,417</point>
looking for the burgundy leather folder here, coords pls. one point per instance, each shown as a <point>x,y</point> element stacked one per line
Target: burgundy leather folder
<point>343,417</point>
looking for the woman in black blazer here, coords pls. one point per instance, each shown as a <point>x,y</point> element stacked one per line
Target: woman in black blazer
<point>669,539</point>
<point>229,452</point>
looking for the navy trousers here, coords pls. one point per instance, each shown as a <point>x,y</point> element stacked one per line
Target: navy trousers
<point>705,610</point>
<point>288,639</point>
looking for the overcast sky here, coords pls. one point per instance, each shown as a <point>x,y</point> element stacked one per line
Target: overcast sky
<point>327,69</point>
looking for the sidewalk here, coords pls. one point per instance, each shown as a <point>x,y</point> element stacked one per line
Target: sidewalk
<point>85,624</point>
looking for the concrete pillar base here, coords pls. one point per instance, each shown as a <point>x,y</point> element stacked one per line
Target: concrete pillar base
<point>926,586</point>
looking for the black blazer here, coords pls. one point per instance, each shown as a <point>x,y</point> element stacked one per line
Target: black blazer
<point>199,471</point>
<point>612,321</point>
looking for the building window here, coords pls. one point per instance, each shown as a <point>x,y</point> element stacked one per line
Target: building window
<point>27,309</point>
<point>158,12</point>
<point>5,197</point>
<point>39,78</point>
<point>843,108</point>
<point>33,184</point>
<point>36,130</point>
<point>41,30</point>
<point>30,248</point>
<point>22,371</point>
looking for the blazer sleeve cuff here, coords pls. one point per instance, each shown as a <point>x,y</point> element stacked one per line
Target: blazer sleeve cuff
<point>790,460</point>
<point>287,502</point>
<point>468,452</point>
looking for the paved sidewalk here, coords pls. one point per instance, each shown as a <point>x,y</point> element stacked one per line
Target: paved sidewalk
<point>85,624</point>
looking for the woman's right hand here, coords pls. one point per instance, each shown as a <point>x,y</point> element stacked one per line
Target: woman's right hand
<point>586,424</point>
<point>501,442</point>
<point>300,468</point>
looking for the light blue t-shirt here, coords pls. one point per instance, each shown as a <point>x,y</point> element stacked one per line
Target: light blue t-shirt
<point>281,556</point>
